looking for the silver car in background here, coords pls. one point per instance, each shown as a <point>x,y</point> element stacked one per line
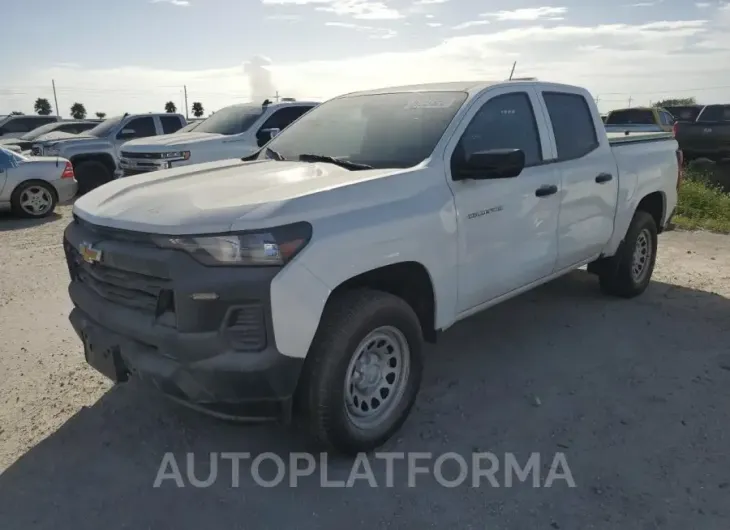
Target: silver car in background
<point>33,186</point>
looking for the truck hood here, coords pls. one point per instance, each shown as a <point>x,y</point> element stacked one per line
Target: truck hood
<point>75,141</point>
<point>215,197</point>
<point>155,143</point>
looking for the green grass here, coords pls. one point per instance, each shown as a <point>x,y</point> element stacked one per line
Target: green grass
<point>702,205</point>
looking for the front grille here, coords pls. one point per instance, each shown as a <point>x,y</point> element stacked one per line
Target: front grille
<point>113,234</point>
<point>137,291</point>
<point>142,156</point>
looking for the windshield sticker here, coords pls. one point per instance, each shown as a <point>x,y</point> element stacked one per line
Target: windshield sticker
<point>421,103</point>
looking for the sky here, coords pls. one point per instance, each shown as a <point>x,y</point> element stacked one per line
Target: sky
<point>118,56</point>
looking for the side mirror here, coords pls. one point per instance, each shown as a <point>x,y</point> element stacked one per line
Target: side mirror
<point>491,164</point>
<point>271,133</point>
<point>127,133</point>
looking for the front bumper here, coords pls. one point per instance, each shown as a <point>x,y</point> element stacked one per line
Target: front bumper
<point>133,166</point>
<point>136,315</point>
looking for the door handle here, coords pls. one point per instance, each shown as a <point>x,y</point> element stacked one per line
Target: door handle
<point>604,177</point>
<point>545,191</point>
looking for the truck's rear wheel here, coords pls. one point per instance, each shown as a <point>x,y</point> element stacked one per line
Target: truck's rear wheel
<point>628,273</point>
<point>363,371</point>
<point>91,174</point>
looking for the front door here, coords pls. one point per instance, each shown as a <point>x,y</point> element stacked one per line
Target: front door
<point>507,227</point>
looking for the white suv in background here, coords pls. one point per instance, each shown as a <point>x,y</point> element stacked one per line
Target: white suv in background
<point>232,132</point>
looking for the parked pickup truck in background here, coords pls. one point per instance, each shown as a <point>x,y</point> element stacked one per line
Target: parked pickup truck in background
<point>232,132</point>
<point>708,136</point>
<point>16,125</point>
<point>684,112</point>
<point>639,119</point>
<point>304,279</point>
<point>95,154</point>
<point>47,132</point>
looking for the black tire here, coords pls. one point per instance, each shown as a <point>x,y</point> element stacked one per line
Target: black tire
<point>91,174</point>
<point>37,186</point>
<point>617,277</point>
<point>347,320</point>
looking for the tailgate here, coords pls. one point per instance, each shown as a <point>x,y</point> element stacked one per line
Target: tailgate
<point>704,137</point>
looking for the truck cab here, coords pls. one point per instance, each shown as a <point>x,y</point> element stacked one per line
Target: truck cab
<point>19,124</point>
<point>95,153</point>
<point>232,132</point>
<point>639,119</point>
<point>304,279</point>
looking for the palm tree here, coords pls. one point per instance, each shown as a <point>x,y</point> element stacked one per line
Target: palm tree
<point>101,115</point>
<point>17,113</point>
<point>43,107</point>
<point>78,111</point>
<point>170,107</point>
<point>198,110</point>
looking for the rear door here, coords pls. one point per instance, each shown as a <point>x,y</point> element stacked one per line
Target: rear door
<point>507,229</point>
<point>589,178</point>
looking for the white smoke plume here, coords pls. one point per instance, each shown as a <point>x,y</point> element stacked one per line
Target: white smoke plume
<point>260,81</point>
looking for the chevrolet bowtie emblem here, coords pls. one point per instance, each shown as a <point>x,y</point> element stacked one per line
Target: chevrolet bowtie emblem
<point>89,254</point>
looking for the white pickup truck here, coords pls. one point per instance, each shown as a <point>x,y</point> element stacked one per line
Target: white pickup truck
<point>302,282</point>
<point>232,132</point>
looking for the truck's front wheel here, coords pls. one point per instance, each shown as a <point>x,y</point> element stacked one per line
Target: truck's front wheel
<point>628,273</point>
<point>363,371</point>
<point>91,174</point>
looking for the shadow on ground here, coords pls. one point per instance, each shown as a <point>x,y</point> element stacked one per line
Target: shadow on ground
<point>10,222</point>
<point>634,393</point>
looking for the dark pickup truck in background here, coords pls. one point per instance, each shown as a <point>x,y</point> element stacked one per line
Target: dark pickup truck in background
<point>708,136</point>
<point>684,112</point>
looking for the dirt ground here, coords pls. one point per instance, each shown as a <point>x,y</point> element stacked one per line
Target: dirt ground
<point>635,393</point>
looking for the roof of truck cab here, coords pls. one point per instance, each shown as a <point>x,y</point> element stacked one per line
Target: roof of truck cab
<point>460,86</point>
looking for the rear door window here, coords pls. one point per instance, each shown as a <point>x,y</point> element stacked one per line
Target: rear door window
<point>572,121</point>
<point>170,124</point>
<point>142,127</point>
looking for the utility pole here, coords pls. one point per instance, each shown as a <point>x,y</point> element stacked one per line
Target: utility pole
<point>276,97</point>
<point>185,88</point>
<point>513,70</point>
<point>630,100</point>
<point>55,99</point>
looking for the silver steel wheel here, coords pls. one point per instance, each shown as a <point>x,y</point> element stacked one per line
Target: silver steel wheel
<point>642,256</point>
<point>35,200</point>
<point>377,377</point>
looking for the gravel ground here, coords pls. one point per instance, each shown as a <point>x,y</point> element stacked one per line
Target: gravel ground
<point>634,393</point>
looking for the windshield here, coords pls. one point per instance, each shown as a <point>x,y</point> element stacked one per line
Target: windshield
<point>104,128</point>
<point>43,129</point>
<point>396,130</point>
<point>231,120</point>
<point>190,126</point>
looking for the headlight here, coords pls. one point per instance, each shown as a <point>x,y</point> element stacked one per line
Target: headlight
<point>273,246</point>
<point>177,154</point>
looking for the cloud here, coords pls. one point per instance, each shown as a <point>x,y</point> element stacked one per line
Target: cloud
<point>471,24</point>
<point>648,4</point>
<point>428,2</point>
<point>373,32</point>
<point>529,13</point>
<point>651,61</point>
<point>702,5</point>
<point>179,3</point>
<point>434,24</point>
<point>359,9</point>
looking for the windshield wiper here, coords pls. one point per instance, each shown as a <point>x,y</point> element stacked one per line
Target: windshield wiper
<point>334,160</point>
